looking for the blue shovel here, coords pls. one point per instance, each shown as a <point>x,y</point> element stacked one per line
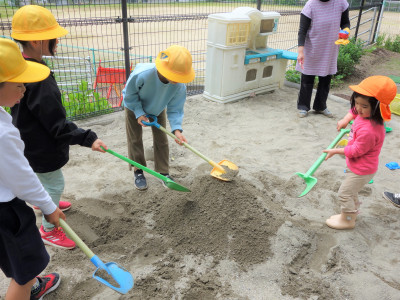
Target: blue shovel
<point>122,277</point>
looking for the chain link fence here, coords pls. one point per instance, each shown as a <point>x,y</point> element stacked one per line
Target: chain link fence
<point>107,38</point>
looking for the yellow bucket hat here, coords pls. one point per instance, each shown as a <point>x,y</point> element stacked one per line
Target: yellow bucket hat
<point>14,68</point>
<point>35,23</point>
<point>175,64</point>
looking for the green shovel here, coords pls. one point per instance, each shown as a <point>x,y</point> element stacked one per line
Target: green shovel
<point>168,182</point>
<point>311,181</point>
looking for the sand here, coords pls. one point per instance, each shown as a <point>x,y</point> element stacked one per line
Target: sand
<point>250,238</point>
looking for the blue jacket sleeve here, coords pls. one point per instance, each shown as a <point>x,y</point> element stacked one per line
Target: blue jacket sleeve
<point>131,95</point>
<point>175,109</point>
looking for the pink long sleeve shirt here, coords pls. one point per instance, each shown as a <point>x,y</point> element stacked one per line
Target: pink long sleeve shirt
<point>364,145</point>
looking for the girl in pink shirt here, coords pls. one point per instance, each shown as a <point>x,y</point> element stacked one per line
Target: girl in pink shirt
<point>369,109</point>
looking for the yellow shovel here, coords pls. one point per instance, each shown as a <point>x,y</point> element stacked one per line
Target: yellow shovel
<point>224,170</point>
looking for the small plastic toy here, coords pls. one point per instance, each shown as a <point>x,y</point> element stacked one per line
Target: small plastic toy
<point>393,165</point>
<point>387,129</point>
<point>343,37</point>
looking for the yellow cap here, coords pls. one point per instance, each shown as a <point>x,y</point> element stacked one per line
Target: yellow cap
<point>14,68</point>
<point>175,64</point>
<point>35,23</point>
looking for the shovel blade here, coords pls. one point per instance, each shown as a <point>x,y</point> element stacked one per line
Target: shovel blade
<point>174,186</point>
<point>120,276</point>
<point>309,181</point>
<point>232,168</point>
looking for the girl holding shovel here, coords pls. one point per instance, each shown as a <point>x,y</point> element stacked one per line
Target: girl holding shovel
<point>41,117</point>
<point>369,109</point>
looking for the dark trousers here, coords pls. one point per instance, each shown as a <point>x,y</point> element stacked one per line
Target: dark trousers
<point>134,135</point>
<point>306,89</point>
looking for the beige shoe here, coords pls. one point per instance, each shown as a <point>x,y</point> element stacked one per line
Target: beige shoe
<point>342,221</point>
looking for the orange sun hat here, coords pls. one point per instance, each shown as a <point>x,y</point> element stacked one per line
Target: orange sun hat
<point>383,88</point>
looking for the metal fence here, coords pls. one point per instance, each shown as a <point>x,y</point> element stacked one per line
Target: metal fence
<point>105,35</point>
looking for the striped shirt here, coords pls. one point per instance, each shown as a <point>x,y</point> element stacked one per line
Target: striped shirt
<point>320,50</point>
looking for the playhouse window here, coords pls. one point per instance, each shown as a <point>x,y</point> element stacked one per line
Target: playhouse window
<point>267,71</point>
<point>237,34</point>
<point>267,26</point>
<point>251,75</point>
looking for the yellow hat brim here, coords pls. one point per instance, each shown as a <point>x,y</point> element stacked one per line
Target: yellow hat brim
<point>34,72</point>
<point>54,33</point>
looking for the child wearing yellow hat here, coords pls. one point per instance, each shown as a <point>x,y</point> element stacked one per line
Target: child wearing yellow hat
<point>369,109</point>
<point>156,89</point>
<point>23,254</point>
<point>41,117</point>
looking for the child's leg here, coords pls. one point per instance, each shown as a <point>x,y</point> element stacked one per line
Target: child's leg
<point>134,135</point>
<point>53,183</point>
<point>19,292</point>
<point>306,88</point>
<point>160,145</point>
<point>348,191</point>
<point>324,84</point>
<point>348,197</point>
<point>23,254</point>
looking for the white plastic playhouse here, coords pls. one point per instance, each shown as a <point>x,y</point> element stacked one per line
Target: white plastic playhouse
<point>239,63</point>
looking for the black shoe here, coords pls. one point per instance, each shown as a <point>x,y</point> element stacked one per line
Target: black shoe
<point>168,176</point>
<point>140,180</point>
<point>393,198</point>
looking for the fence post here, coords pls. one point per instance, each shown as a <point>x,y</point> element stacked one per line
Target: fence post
<point>259,4</point>
<point>359,18</point>
<point>126,37</point>
<point>378,23</point>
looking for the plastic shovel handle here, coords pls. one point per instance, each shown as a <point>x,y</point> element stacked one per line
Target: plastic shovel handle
<point>150,171</point>
<point>319,161</point>
<point>68,230</point>
<point>154,123</point>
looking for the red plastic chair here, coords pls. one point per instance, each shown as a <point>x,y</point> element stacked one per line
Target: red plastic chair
<point>113,76</point>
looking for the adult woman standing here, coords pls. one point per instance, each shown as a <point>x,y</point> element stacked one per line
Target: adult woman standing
<point>320,23</point>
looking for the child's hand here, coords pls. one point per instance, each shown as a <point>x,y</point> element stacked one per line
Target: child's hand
<point>331,152</point>
<point>54,218</point>
<point>141,119</point>
<point>96,146</point>
<point>180,136</point>
<point>341,124</point>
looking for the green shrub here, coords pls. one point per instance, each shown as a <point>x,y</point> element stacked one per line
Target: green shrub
<point>84,102</point>
<point>388,43</point>
<point>292,75</point>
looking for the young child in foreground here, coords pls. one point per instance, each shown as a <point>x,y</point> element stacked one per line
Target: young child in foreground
<point>369,109</point>
<point>23,254</point>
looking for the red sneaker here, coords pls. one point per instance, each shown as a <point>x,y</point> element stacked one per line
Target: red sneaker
<point>63,206</point>
<point>56,238</point>
<point>48,283</point>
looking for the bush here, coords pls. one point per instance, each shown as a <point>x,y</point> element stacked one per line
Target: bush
<point>292,75</point>
<point>348,57</point>
<point>388,43</point>
<point>84,102</point>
